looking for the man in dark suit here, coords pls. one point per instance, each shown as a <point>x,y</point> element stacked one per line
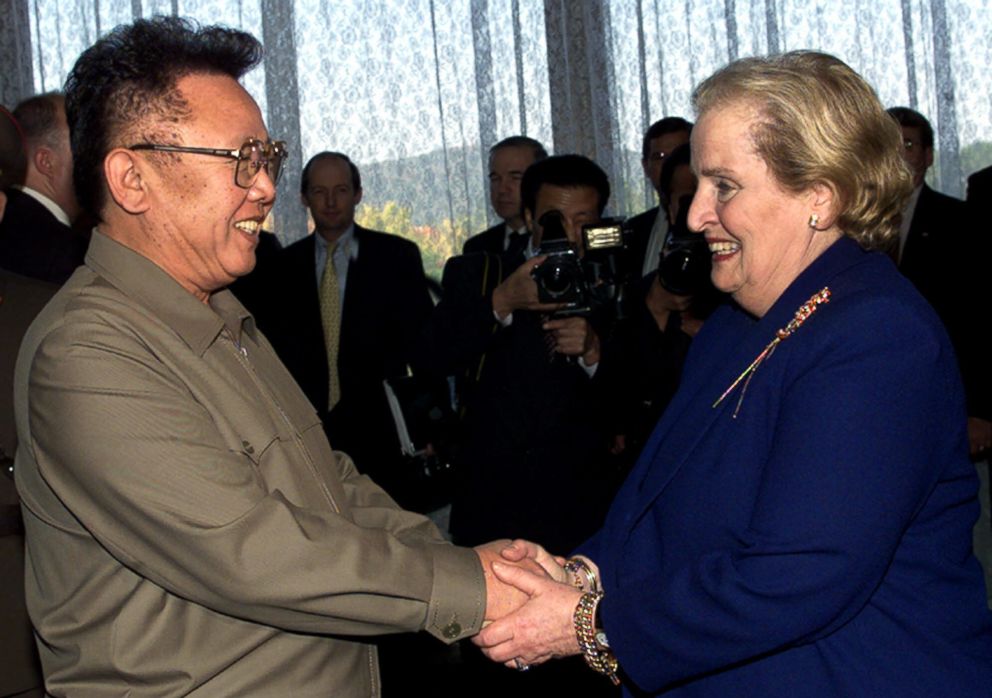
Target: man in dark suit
<point>342,329</point>
<point>20,672</point>
<point>36,239</point>
<point>533,462</point>
<point>938,252</point>
<point>980,188</point>
<point>649,230</point>
<point>532,423</point>
<point>508,160</point>
<point>20,301</point>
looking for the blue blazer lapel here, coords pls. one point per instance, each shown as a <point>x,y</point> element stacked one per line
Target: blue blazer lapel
<point>732,340</point>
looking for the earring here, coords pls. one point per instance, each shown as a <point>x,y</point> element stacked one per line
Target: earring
<point>814,220</point>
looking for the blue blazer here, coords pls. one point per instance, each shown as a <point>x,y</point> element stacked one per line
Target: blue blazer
<point>818,543</point>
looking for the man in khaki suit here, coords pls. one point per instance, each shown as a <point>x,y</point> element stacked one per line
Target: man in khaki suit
<point>189,530</point>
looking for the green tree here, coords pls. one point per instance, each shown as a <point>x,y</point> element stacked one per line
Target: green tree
<point>437,243</point>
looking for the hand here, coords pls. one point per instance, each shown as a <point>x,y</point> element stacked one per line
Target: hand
<point>539,630</point>
<point>518,291</point>
<point>502,598</point>
<point>574,336</point>
<point>521,549</point>
<point>979,435</point>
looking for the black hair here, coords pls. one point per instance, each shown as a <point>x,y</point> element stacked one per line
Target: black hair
<point>670,124</point>
<point>539,151</point>
<point>126,82</point>
<point>905,116</point>
<point>356,176</point>
<point>566,171</point>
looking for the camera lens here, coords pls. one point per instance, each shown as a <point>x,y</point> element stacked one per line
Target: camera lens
<point>556,281</point>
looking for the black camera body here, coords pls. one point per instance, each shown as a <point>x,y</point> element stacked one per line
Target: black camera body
<point>587,284</point>
<point>685,262</point>
<point>560,278</point>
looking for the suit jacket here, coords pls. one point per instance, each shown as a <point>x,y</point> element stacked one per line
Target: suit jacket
<point>34,243</point>
<point>189,530</point>
<point>945,258</point>
<point>811,534</point>
<point>980,187</point>
<point>386,303</point>
<point>489,240</point>
<point>21,299</point>
<point>535,434</point>
<point>640,234</point>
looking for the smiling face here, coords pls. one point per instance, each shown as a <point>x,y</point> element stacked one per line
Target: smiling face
<point>203,228</point>
<point>331,197</point>
<point>758,232</point>
<point>506,168</point>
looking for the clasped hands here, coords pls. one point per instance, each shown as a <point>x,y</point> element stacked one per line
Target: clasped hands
<point>530,603</point>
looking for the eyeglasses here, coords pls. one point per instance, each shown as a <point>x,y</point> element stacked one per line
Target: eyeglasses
<point>252,156</point>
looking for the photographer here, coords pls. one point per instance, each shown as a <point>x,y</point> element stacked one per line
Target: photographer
<point>532,397</point>
<point>674,301</point>
<point>532,462</point>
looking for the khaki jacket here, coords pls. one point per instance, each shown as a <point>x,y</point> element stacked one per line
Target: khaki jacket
<point>189,530</point>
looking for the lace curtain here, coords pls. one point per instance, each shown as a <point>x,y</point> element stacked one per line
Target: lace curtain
<point>415,91</point>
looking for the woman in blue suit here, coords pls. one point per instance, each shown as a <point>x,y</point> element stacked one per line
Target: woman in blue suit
<point>799,523</point>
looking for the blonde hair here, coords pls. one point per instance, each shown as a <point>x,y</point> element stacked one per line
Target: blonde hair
<point>819,122</point>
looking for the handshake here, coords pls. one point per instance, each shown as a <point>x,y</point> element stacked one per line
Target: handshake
<point>540,606</point>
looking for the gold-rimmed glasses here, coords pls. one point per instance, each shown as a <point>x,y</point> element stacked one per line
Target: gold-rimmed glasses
<point>251,157</point>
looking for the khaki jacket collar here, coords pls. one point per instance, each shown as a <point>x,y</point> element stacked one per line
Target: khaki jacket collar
<point>140,278</point>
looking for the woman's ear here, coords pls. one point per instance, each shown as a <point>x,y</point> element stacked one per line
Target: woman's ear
<point>824,203</point>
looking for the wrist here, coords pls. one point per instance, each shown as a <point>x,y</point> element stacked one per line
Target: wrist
<point>592,638</point>
<point>591,355</point>
<point>501,305</point>
<point>581,574</point>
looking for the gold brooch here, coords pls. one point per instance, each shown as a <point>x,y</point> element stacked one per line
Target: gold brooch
<point>805,310</point>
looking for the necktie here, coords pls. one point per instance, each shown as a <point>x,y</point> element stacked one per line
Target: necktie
<point>517,243</point>
<point>330,318</point>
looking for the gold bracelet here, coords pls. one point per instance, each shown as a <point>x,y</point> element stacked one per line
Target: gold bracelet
<point>598,656</point>
<point>579,569</point>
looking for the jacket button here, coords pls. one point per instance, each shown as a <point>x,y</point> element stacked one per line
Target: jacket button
<point>452,630</point>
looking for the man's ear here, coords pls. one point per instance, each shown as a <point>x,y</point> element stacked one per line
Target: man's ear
<point>44,161</point>
<point>358,197</point>
<point>125,182</point>
<point>928,154</point>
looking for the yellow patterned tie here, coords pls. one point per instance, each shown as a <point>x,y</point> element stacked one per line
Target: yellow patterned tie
<point>330,318</point>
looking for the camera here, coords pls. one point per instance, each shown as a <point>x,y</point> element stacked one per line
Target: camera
<point>596,281</point>
<point>685,261</point>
